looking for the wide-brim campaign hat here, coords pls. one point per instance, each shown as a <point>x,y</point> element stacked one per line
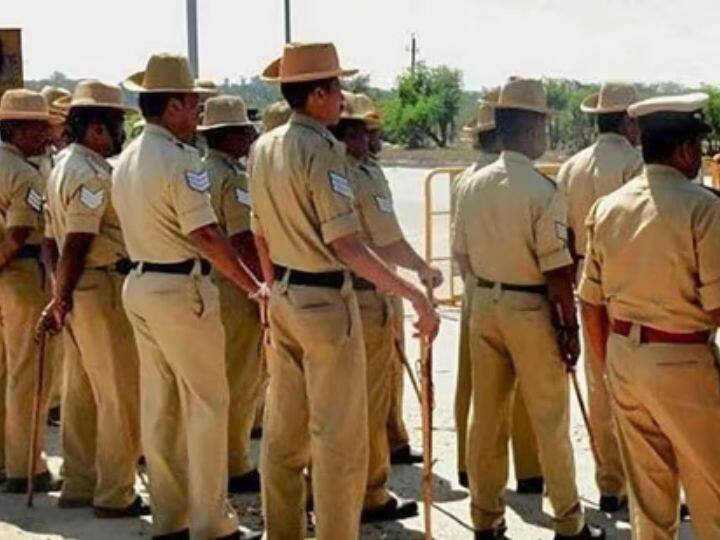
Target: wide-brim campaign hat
<point>612,98</point>
<point>52,94</point>
<point>22,104</point>
<point>522,94</point>
<point>96,94</point>
<point>361,108</point>
<point>302,62</point>
<point>276,114</point>
<point>672,113</point>
<point>224,112</point>
<point>485,119</point>
<point>165,73</point>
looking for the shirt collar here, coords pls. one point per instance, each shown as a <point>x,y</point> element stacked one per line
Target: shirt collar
<point>515,157</point>
<point>12,149</point>
<point>663,172</point>
<point>91,155</point>
<point>157,129</point>
<point>304,120</point>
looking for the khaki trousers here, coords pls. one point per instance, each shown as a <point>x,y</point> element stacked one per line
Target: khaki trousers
<point>666,399</point>
<point>21,302</point>
<point>524,445</point>
<point>184,400</point>
<point>3,385</point>
<point>317,410</point>
<point>101,431</point>
<point>241,319</point>
<point>513,344</point>
<point>397,432</point>
<point>378,335</point>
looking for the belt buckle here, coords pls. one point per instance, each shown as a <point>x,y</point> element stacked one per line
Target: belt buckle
<point>497,290</point>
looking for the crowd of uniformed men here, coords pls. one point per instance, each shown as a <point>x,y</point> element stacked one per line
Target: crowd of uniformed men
<point>207,273</point>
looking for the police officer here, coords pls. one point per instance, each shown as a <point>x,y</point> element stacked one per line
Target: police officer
<point>161,195</point>
<point>510,236</point>
<point>650,293</point>
<point>24,123</point>
<point>525,453</point>
<point>308,238</point>
<point>590,174</point>
<point>229,133</point>
<point>101,432</point>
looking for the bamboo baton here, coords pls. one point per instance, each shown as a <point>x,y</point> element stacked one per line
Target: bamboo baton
<point>426,361</point>
<point>37,408</point>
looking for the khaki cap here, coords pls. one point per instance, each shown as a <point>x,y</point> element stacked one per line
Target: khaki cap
<point>208,85</point>
<point>303,62</point>
<point>276,114</point>
<point>93,93</point>
<point>224,111</point>
<point>682,112</point>
<point>522,94</point>
<point>485,120</point>
<point>612,98</point>
<point>52,94</point>
<point>22,104</point>
<point>360,107</point>
<point>165,73</point>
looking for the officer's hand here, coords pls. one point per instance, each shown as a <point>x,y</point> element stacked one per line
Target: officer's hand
<point>53,316</point>
<point>431,276</point>
<point>569,343</point>
<point>428,323</point>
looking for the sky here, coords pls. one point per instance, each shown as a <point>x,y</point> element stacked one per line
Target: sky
<point>588,40</point>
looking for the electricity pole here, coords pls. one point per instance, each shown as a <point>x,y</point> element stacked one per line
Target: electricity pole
<point>288,34</point>
<point>192,39</point>
<point>413,53</point>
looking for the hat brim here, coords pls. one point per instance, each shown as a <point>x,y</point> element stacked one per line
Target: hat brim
<point>225,125</point>
<point>520,107</point>
<point>66,103</point>
<point>479,128</point>
<point>589,105</point>
<point>272,74</point>
<point>134,84</point>
<point>51,119</point>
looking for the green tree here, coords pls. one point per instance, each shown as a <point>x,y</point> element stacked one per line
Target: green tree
<point>424,106</point>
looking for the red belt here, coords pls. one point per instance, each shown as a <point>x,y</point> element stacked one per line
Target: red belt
<point>652,335</point>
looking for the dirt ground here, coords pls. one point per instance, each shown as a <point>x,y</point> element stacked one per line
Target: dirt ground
<point>451,514</point>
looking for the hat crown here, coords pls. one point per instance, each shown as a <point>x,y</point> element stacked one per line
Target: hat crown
<point>302,58</point>
<point>90,92</point>
<point>21,102</point>
<point>165,71</point>
<point>53,93</point>
<point>225,110</point>
<point>526,94</point>
<point>616,95</point>
<point>276,114</point>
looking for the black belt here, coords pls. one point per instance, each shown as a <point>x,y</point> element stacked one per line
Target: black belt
<point>330,280</point>
<point>28,251</point>
<point>122,266</point>
<point>534,289</point>
<point>362,284</point>
<point>183,267</point>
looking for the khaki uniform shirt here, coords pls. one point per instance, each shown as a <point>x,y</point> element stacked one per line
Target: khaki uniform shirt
<point>301,195</point>
<point>78,201</point>
<point>374,203</point>
<point>161,193</point>
<point>484,159</point>
<point>593,172</point>
<point>654,252</point>
<point>229,192</point>
<point>511,223</point>
<point>21,193</point>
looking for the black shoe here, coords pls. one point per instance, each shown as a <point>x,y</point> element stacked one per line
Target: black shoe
<point>247,483</point>
<point>135,509</point>
<point>612,503</point>
<point>256,433</point>
<point>78,502</point>
<point>44,483</point>
<point>589,532</point>
<point>463,479</point>
<point>53,417</point>
<point>492,534</point>
<point>179,535</point>
<point>531,486</point>
<point>684,512</point>
<point>405,456</point>
<point>392,510</point>
<point>238,535</point>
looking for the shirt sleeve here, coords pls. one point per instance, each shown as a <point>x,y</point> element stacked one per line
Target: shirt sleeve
<point>551,234</point>
<point>86,205</point>
<point>331,192</point>
<point>190,195</point>
<point>707,232</point>
<point>378,215</point>
<point>25,201</point>
<point>459,239</point>
<point>590,289</point>
<point>235,203</point>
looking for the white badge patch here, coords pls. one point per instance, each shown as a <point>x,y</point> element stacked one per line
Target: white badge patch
<point>341,185</point>
<point>385,204</point>
<point>91,199</point>
<point>242,196</point>
<point>561,231</point>
<point>34,200</point>
<point>198,181</point>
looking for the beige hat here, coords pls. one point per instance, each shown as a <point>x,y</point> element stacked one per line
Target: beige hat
<point>612,98</point>
<point>359,107</point>
<point>52,94</point>
<point>672,113</point>
<point>485,119</point>
<point>208,85</point>
<point>165,73</point>
<point>303,62</point>
<point>22,104</point>
<point>522,94</point>
<point>276,114</point>
<point>224,111</point>
<point>92,93</point>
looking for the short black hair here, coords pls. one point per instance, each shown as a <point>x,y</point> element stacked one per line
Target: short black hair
<point>343,126</point>
<point>659,144</point>
<point>153,104</point>
<point>296,94</point>
<point>512,124</point>
<point>610,122</point>
<point>487,140</point>
<point>8,129</point>
<point>80,118</point>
